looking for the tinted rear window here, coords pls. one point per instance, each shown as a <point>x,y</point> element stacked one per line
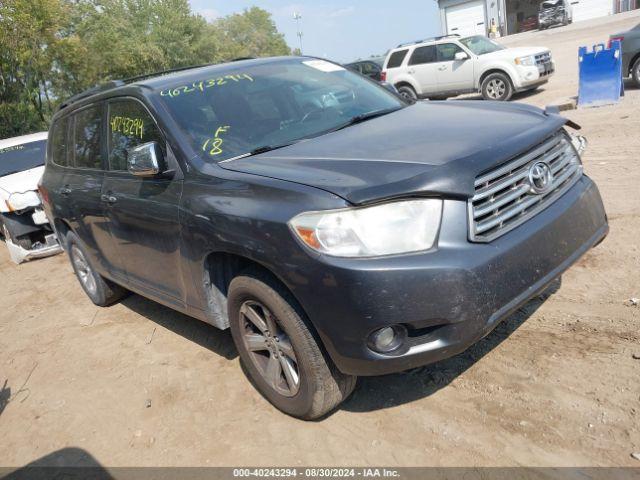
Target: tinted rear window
<point>59,142</point>
<point>426,54</point>
<point>86,138</point>
<point>22,157</point>
<point>396,58</point>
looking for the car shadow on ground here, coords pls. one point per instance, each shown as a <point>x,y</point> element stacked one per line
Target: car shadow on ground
<point>207,336</point>
<point>66,463</point>
<point>375,393</point>
<point>5,396</point>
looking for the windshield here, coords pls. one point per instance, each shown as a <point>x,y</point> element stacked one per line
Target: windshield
<point>243,108</point>
<point>22,157</point>
<point>480,45</point>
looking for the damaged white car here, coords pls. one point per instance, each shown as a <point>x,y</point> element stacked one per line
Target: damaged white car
<point>23,223</point>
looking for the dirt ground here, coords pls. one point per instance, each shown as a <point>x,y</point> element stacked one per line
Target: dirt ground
<point>137,384</point>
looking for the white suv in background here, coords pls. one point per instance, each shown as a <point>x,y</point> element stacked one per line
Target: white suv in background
<point>448,66</point>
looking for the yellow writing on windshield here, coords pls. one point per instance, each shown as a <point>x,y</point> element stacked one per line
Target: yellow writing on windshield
<point>133,127</point>
<point>202,85</point>
<point>214,145</point>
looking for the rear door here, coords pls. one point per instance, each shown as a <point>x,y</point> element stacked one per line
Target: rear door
<point>83,185</point>
<point>143,212</point>
<point>423,67</point>
<point>453,75</point>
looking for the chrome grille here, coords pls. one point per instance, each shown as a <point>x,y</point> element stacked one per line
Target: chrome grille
<point>543,58</point>
<point>505,198</point>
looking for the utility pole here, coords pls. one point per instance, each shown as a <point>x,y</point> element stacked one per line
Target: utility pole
<point>297,17</point>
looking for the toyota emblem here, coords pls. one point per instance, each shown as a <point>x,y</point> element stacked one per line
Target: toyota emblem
<point>540,178</point>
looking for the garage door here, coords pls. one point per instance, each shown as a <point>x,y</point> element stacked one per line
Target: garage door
<point>586,9</point>
<point>466,19</point>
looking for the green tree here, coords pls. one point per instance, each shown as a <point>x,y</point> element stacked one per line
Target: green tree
<point>29,33</point>
<point>50,49</point>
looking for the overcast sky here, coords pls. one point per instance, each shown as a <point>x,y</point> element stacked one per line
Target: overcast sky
<point>341,30</point>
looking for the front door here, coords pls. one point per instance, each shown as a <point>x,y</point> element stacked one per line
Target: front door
<point>453,75</point>
<point>143,212</point>
<point>422,67</point>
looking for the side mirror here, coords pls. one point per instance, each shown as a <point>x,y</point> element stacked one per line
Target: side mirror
<point>461,56</point>
<point>145,160</point>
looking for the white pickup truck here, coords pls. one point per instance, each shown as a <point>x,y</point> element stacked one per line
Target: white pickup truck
<point>23,223</point>
<point>447,66</point>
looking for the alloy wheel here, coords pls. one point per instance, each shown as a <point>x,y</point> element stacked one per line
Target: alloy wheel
<point>496,89</point>
<point>269,348</point>
<point>85,275</point>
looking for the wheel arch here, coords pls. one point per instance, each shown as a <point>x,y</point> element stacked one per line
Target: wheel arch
<point>61,228</point>
<point>491,70</point>
<point>218,269</point>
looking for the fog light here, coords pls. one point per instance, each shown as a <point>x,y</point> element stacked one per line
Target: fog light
<point>387,339</point>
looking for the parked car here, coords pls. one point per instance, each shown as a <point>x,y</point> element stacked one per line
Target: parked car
<point>528,24</point>
<point>23,223</point>
<point>630,53</point>
<point>335,229</point>
<point>371,68</point>
<point>554,12</point>
<point>448,66</point>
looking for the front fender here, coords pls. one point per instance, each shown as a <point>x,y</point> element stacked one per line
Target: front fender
<point>498,66</point>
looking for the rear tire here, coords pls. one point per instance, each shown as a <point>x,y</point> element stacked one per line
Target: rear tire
<point>278,350</point>
<point>101,291</point>
<point>635,73</point>
<point>497,86</point>
<point>408,93</point>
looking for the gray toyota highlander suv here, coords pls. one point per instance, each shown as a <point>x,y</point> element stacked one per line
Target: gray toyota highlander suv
<point>335,229</point>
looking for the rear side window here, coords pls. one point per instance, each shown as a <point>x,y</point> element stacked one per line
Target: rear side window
<point>59,142</point>
<point>86,138</point>
<point>129,125</point>
<point>420,55</point>
<point>447,51</point>
<point>396,58</point>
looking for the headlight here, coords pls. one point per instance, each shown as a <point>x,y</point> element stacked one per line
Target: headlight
<point>528,61</point>
<point>20,201</point>
<point>387,229</point>
<point>579,143</point>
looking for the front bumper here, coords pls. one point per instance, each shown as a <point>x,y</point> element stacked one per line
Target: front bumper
<point>452,296</point>
<point>532,76</point>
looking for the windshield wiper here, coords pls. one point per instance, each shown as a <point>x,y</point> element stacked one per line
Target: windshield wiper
<point>258,150</point>
<point>363,117</point>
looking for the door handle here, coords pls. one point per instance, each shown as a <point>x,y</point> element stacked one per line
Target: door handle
<point>412,71</point>
<point>65,191</point>
<point>110,199</point>
<point>442,69</point>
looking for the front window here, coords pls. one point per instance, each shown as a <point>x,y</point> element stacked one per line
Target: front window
<point>480,45</point>
<point>237,110</point>
<point>129,125</point>
<point>22,157</point>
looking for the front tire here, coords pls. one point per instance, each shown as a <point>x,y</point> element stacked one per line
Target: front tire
<point>635,73</point>
<point>497,86</point>
<point>101,291</point>
<point>278,351</point>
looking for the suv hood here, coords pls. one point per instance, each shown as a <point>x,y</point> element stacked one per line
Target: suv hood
<point>21,182</point>
<point>512,53</point>
<point>429,148</point>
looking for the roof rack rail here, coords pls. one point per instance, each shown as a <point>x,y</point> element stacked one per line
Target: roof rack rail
<point>119,83</point>
<point>432,39</point>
